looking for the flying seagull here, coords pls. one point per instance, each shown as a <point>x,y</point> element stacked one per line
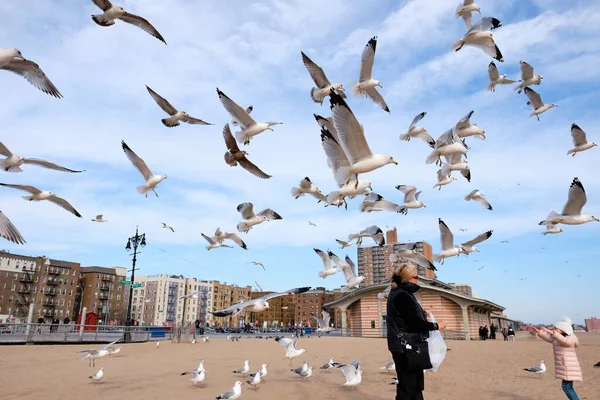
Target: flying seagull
<point>39,195</point>
<point>352,374</point>
<point>415,131</point>
<point>197,376</point>
<point>254,380</point>
<point>551,229</point>
<point>414,256</point>
<point>443,179</point>
<point>456,162</point>
<point>536,103</point>
<point>213,243</point>
<point>527,77</point>
<point>579,140</point>
<point>323,85</point>
<point>12,60</point>
<point>175,115</point>
<point>367,86</point>
<point>92,354</point>
<point>376,202</point>
<point>480,36</point>
<point>480,268</point>
<point>168,227</point>
<point>151,180</point>
<point>469,247</point>
<point>343,243</point>
<point>111,13</point>
<point>328,269</point>
<point>257,263</point>
<point>8,231</point>
<point>235,156</point>
<point>477,196</point>
<point>290,348</point>
<point>447,144</point>
<point>222,235</point>
<point>251,219</point>
<point>249,126</point>
<point>411,196</point>
<point>312,223</point>
<point>99,218</point>
<point>447,242</point>
<point>571,213</point>
<point>465,11</point>
<point>323,322</point>
<point>496,78</point>
<point>256,305</point>
<point>464,128</point>
<point>307,187</point>
<point>12,162</point>
<point>348,267</point>
<point>373,231</point>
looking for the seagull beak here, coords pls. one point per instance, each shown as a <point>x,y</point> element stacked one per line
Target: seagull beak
<point>269,128</point>
<point>395,162</point>
<point>380,85</point>
<point>596,219</point>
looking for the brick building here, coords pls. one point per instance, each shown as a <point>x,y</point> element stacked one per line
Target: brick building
<point>50,285</point>
<point>103,294</point>
<point>226,295</point>
<point>592,324</point>
<point>311,303</point>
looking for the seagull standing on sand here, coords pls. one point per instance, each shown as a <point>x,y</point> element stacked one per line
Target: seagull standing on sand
<point>12,60</point>
<point>251,219</point>
<point>328,269</point>
<point>290,348</point>
<point>447,242</point>
<point>411,196</point>
<point>329,365</point>
<point>254,380</point>
<point>248,125</point>
<point>99,218</point>
<point>366,85</point>
<point>349,269</point>
<point>465,10</point>
<point>175,115</point>
<point>232,394</point>
<point>480,36</point>
<point>243,370</point>
<point>39,195</point>
<point>496,78</point>
<point>8,231</point>
<point>352,374</point>
<point>168,227</point>
<point>307,187</point>
<point>235,156</point>
<point>97,377</point>
<point>343,243</point>
<point>527,77</point>
<point>389,367</point>
<point>537,370</point>
<point>477,196</point>
<point>304,367</point>
<point>151,180</point>
<point>415,131</point>
<point>111,13</point>
<point>13,162</point>
<point>262,372</point>
<point>469,247</point>
<point>579,140</point>
<point>536,103</point>
<point>323,85</point>
<point>571,213</point>
<point>373,231</point>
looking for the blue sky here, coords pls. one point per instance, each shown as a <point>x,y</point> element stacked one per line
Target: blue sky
<point>251,51</point>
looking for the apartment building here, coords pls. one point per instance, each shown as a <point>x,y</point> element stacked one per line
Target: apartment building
<point>158,301</point>
<point>103,294</point>
<point>226,295</point>
<point>50,285</point>
<point>311,303</point>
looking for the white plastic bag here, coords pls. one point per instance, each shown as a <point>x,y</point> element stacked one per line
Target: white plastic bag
<point>437,348</point>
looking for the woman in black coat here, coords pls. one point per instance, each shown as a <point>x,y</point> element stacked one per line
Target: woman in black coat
<point>406,320</point>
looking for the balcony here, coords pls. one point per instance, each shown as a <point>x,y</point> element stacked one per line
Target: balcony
<point>103,296</point>
<point>24,290</point>
<point>106,278</point>
<point>54,271</point>
<point>48,314</point>
<point>50,304</point>
<point>50,293</point>
<point>52,282</point>
<point>104,287</point>
<point>26,278</point>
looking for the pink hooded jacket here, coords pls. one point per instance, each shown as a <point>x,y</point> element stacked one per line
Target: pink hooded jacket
<point>566,364</point>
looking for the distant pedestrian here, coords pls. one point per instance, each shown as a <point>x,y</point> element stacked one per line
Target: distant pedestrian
<point>485,332</point>
<point>66,320</point>
<point>492,331</point>
<point>480,332</point>
<point>505,334</point>
<point>566,365</point>
<point>511,334</point>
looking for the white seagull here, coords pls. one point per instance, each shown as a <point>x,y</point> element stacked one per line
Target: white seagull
<point>251,219</point>
<point>307,187</point>
<point>256,305</point>
<point>243,370</point>
<point>456,162</point>
<point>111,13</point>
<point>222,235</point>
<point>465,10</point>
<point>411,196</point>
<point>537,370</point>
<point>328,269</point>
<point>571,213</point>
<point>389,367</point>
<point>8,231</point>
<point>323,323</point>
<point>175,115</point>
<point>167,227</point>
<point>304,373</point>
<point>235,156</point>
<point>579,140</point>
<point>349,269</point>
<point>477,196</point>
<point>91,355</point>
<point>257,263</point>
<point>447,144</point>
<point>249,126</point>
<point>443,180</point>
<point>290,348</point>
<point>304,367</point>
<point>373,231</point>
<point>114,350</point>
<point>213,243</point>
<point>323,85</point>
<point>496,78</point>
<point>232,394</point>
<point>366,85</point>
<point>480,36</point>
<point>415,131</point>
<point>352,374</point>
<point>255,380</point>
<point>97,377</point>
<point>447,242</point>
<point>13,162</point>
<point>376,202</point>
<point>12,60</point>
<point>99,218</point>
<point>527,77</point>
<point>263,372</point>
<point>39,195</point>
<point>343,243</point>
<point>151,180</point>
<point>469,247</point>
<point>329,365</point>
<point>412,255</point>
<point>536,103</point>
<point>464,128</point>
<point>551,229</point>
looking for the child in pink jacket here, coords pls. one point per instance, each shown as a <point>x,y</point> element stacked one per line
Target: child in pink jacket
<point>566,364</point>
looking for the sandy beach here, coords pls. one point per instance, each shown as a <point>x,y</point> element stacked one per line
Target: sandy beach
<point>472,370</point>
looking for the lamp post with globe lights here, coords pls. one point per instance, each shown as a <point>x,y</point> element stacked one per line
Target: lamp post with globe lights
<point>135,241</point>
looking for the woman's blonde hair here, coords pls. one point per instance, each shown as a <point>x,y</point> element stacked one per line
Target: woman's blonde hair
<point>403,273</point>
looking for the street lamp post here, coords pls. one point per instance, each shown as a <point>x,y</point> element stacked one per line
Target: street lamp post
<point>141,241</point>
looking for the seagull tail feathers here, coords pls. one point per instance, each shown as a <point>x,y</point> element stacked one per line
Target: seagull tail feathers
<point>322,274</point>
<point>456,46</point>
<point>240,136</point>
<point>355,90</point>
<point>141,189</point>
<point>100,20</point>
<point>169,123</point>
<point>314,94</point>
<point>28,197</point>
<point>446,168</point>
<point>11,169</point>
<point>229,159</point>
<point>352,236</point>
<point>491,87</point>
<point>405,136</point>
<point>296,192</point>
<point>437,258</point>
<point>431,158</point>
<point>343,174</point>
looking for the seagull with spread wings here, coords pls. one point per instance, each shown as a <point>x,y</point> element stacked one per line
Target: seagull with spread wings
<point>99,218</point>
<point>443,179</point>
<point>496,78</point>
<point>469,247</point>
<point>447,242</point>
<point>348,267</point>
<point>477,196</point>
<point>373,231</point>
<point>213,243</point>
<point>376,202</point>
<point>480,36</point>
<point>92,354</point>
<point>411,196</point>
<point>456,162</point>
<point>112,12</point>
<point>12,60</point>
<point>366,85</point>
<point>343,243</point>
<point>307,187</point>
<point>412,255</point>
<point>223,235</point>
<point>164,225</point>
<point>257,263</point>
<point>251,219</point>
<point>235,156</point>
<point>151,180</point>
<point>250,127</point>
<point>256,305</point>
<point>465,10</point>
<point>175,115</point>
<point>352,374</point>
<point>323,323</point>
<point>39,195</point>
<point>13,162</point>
<point>536,103</point>
<point>323,85</point>
<point>447,144</point>
<point>290,348</point>
<point>328,269</point>
<point>571,213</point>
<point>415,131</point>
<point>464,128</point>
<point>527,77</point>
<point>579,140</point>
<point>8,231</point>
